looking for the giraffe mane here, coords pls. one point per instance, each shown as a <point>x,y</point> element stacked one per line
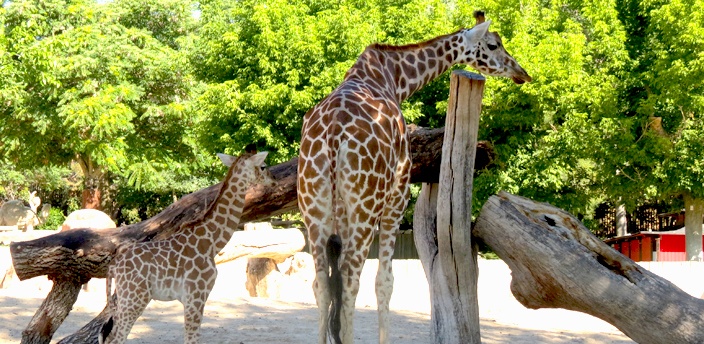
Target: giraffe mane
<point>212,204</point>
<point>390,47</point>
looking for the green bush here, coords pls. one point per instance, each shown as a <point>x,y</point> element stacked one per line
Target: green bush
<point>55,219</point>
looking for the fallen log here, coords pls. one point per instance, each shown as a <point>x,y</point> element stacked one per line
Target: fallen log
<point>73,257</point>
<point>557,263</point>
<point>274,244</point>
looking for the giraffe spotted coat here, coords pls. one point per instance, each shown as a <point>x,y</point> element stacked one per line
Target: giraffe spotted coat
<point>181,267</point>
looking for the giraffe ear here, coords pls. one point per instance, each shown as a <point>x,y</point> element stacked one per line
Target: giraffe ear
<point>226,159</point>
<point>479,31</point>
<point>258,159</point>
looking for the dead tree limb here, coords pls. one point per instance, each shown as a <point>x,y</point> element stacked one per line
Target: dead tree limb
<point>274,244</point>
<point>81,254</point>
<point>557,263</point>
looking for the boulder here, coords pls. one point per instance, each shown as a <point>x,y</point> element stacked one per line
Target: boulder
<point>87,218</point>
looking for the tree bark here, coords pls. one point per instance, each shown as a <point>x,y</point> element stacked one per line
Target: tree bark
<point>81,254</point>
<point>260,274</point>
<point>557,263</point>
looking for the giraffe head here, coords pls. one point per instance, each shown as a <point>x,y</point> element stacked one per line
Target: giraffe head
<point>485,52</point>
<point>252,167</point>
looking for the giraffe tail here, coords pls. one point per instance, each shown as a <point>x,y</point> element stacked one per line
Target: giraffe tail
<point>334,249</point>
<point>107,326</point>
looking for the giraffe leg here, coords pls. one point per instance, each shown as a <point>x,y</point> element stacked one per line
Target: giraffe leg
<point>322,295</point>
<point>318,232</point>
<point>193,316</point>
<point>129,306</point>
<point>351,271</point>
<point>385,277</point>
<point>197,289</point>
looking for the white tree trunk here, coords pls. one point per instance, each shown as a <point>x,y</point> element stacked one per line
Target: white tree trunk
<point>557,263</point>
<point>621,221</point>
<point>693,213</point>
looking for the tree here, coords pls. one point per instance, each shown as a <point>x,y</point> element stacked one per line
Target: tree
<point>268,62</point>
<point>664,100</point>
<point>87,88</point>
<point>543,131</point>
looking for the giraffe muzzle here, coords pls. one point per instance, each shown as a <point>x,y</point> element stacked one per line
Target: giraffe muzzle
<point>521,76</point>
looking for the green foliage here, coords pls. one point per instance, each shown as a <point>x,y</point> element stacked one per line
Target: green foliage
<point>140,95</point>
<point>649,161</point>
<point>130,216</point>
<point>543,132</point>
<point>56,218</point>
<point>90,84</point>
<point>267,63</point>
<point>168,21</point>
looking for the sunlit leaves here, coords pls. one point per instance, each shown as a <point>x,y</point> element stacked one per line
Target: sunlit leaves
<point>97,87</point>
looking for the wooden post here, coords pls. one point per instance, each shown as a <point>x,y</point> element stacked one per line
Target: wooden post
<point>445,248</point>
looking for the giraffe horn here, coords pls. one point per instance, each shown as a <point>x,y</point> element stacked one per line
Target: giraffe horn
<point>479,16</point>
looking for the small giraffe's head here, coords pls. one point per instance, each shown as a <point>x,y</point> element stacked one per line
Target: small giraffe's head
<point>486,53</point>
<point>252,167</point>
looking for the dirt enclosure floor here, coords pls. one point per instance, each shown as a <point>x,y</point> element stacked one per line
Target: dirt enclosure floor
<point>232,316</point>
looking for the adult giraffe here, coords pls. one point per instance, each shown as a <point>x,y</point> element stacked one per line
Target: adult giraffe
<point>354,163</point>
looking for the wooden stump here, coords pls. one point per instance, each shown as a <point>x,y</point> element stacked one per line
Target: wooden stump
<point>443,218</point>
<point>262,277</point>
<point>43,325</point>
<point>557,263</point>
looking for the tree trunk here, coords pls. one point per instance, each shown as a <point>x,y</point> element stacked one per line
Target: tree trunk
<point>260,274</point>
<point>446,250</point>
<point>52,312</point>
<point>693,213</point>
<point>90,199</point>
<point>621,221</point>
<point>557,263</point>
<point>80,254</point>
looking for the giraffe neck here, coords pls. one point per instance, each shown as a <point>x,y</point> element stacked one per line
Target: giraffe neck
<point>221,221</point>
<point>403,70</point>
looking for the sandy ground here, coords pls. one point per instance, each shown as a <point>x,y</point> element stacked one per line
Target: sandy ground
<point>231,316</point>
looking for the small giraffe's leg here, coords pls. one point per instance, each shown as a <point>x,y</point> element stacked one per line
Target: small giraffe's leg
<point>131,301</point>
<point>197,290</point>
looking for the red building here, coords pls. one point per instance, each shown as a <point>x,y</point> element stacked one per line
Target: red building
<point>652,246</point>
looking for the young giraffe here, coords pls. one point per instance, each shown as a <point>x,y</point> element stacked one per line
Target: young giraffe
<point>354,163</point>
<point>181,267</point>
